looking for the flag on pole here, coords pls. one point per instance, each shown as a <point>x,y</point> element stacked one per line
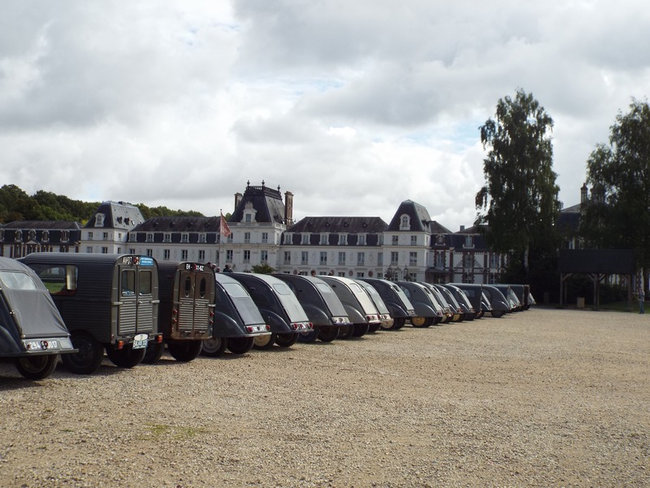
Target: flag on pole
<point>224,230</point>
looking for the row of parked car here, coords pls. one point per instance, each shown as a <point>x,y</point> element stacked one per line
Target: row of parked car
<point>80,306</point>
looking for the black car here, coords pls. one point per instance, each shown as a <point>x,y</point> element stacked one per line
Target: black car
<point>399,306</point>
<point>237,320</point>
<point>32,332</point>
<point>322,305</point>
<point>360,308</point>
<point>426,306</point>
<point>278,306</point>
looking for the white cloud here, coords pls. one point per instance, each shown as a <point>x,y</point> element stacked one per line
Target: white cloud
<point>352,106</point>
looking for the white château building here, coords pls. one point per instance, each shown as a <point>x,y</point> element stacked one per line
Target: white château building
<point>411,246</point>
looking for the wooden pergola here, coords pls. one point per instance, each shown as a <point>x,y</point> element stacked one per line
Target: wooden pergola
<point>597,264</point>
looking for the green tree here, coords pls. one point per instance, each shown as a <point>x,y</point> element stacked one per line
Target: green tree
<point>519,199</point>
<point>618,213</point>
<point>263,269</point>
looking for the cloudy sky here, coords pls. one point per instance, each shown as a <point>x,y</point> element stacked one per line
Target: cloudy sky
<point>354,106</point>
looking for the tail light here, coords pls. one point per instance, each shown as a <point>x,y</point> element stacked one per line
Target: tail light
<point>249,329</point>
<point>159,339</point>
<point>119,345</point>
<point>268,327</point>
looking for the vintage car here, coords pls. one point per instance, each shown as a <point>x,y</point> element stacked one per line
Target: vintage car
<point>360,308</point>
<point>496,304</point>
<point>400,307</point>
<point>471,312</point>
<point>427,310</point>
<point>279,308</point>
<point>322,305</point>
<point>186,310</point>
<point>107,301</point>
<point>386,320</point>
<point>32,332</point>
<point>457,310</point>
<point>523,294</point>
<point>443,305</point>
<point>511,297</point>
<point>237,320</point>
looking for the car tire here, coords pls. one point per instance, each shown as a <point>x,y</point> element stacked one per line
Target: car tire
<point>37,367</point>
<point>88,358</point>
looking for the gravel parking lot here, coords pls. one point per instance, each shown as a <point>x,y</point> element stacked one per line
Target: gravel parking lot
<point>537,398</point>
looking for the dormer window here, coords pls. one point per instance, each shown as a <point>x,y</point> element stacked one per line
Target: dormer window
<point>343,239</point>
<point>31,235</point>
<point>18,236</point>
<point>249,213</point>
<point>149,237</point>
<point>65,235</point>
<point>202,238</point>
<point>99,220</point>
<point>45,236</point>
<point>132,238</point>
<point>185,237</point>
<point>405,222</point>
<point>167,237</point>
<point>361,240</point>
<point>468,241</point>
<point>304,238</point>
<point>324,238</point>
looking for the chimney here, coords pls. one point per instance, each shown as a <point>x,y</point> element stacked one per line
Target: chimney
<point>288,208</point>
<point>238,197</point>
<point>462,228</point>
<point>584,193</point>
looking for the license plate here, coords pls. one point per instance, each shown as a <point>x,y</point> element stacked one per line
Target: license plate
<point>140,341</point>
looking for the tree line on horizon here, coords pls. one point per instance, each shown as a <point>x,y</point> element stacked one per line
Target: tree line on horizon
<point>17,205</point>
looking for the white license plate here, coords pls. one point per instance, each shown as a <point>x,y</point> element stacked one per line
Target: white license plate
<point>140,341</point>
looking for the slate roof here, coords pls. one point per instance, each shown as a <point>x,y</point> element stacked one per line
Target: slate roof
<point>351,225</point>
<point>419,217</point>
<point>42,224</point>
<point>266,201</point>
<point>437,228</point>
<point>179,224</point>
<point>117,215</point>
<point>568,221</point>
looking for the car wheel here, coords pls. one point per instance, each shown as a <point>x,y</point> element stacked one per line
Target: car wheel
<point>264,341</point>
<point>154,352</point>
<point>328,334</point>
<point>345,332</point>
<point>127,357</point>
<point>240,345</point>
<point>309,336</point>
<point>286,340</point>
<point>37,367</point>
<point>418,321</point>
<point>213,347</point>
<point>184,351</point>
<point>399,323</point>
<point>359,330</point>
<point>89,357</point>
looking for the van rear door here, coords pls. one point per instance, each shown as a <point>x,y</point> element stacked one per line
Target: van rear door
<point>138,301</point>
<point>194,302</point>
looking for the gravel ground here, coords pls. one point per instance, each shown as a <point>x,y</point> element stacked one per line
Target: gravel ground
<point>537,398</point>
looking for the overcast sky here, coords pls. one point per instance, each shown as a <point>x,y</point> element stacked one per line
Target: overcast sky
<point>353,106</point>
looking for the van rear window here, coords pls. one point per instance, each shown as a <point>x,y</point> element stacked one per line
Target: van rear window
<point>60,279</point>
